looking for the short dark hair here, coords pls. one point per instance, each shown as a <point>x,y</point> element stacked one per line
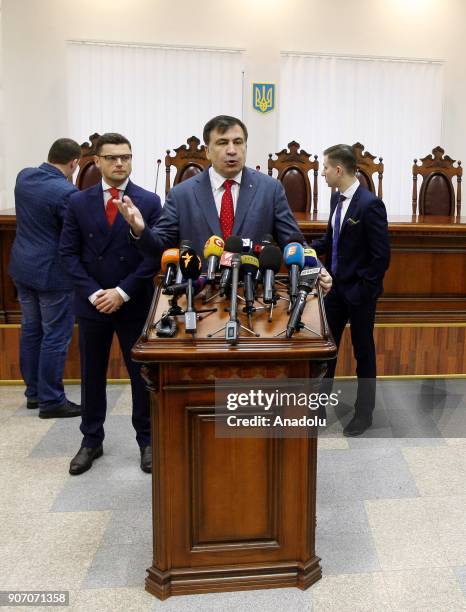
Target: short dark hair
<point>222,123</point>
<point>342,154</point>
<point>110,138</point>
<point>63,151</point>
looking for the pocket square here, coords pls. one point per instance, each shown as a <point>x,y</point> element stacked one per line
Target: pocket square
<point>353,221</point>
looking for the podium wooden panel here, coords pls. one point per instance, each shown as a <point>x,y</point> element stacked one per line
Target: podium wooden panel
<point>229,513</point>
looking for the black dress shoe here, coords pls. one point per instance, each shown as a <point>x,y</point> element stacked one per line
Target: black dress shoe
<point>32,402</point>
<point>66,410</point>
<point>357,425</point>
<point>83,459</point>
<point>146,459</point>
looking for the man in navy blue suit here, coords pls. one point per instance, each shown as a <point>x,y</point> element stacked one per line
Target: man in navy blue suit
<point>227,198</point>
<point>45,290</point>
<point>113,292</point>
<point>357,252</point>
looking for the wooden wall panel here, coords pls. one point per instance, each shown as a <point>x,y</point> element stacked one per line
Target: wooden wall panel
<point>401,350</point>
<point>9,357</point>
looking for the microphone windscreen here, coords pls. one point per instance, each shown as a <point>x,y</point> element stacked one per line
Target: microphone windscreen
<point>310,258</point>
<point>297,237</point>
<point>270,258</point>
<point>190,263</point>
<point>294,254</point>
<point>249,264</point>
<point>170,256</point>
<point>234,244</point>
<point>267,239</point>
<point>213,246</point>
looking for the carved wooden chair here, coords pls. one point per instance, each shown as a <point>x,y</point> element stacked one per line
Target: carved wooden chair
<point>437,193</point>
<point>88,174</point>
<point>293,168</point>
<point>188,161</point>
<point>366,168</point>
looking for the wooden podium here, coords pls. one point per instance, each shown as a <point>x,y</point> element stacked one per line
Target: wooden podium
<point>229,513</point>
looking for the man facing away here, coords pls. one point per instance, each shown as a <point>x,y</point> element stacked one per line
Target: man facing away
<point>113,292</point>
<point>227,198</point>
<point>357,251</point>
<point>45,290</point>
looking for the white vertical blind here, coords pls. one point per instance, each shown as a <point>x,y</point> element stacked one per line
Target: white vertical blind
<point>393,107</point>
<point>157,97</point>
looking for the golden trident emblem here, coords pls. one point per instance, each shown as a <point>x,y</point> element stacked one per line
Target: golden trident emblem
<point>263,98</point>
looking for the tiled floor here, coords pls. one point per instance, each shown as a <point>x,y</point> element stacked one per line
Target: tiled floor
<point>391,518</point>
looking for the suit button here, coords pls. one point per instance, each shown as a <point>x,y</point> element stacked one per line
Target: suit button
<point>91,235</point>
<point>122,258</point>
<point>100,257</point>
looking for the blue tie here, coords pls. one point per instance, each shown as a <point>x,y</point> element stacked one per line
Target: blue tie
<point>336,232</point>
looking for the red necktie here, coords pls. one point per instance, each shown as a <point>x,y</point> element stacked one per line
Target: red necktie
<point>227,214</point>
<point>111,209</point>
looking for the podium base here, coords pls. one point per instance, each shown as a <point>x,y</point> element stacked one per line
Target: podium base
<point>238,578</point>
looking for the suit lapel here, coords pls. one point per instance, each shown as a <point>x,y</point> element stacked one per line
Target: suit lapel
<point>246,193</point>
<point>205,200</point>
<point>98,209</point>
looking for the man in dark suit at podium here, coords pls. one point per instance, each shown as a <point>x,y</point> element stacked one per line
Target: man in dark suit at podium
<point>113,285</point>
<point>45,290</point>
<point>227,198</point>
<point>357,251</point>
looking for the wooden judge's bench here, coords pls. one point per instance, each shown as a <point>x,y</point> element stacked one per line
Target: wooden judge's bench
<point>423,306</point>
<point>229,513</point>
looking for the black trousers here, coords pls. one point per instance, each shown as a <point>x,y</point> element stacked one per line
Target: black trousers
<point>95,340</point>
<point>361,319</point>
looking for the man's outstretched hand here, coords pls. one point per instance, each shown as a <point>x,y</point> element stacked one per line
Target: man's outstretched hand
<point>131,214</point>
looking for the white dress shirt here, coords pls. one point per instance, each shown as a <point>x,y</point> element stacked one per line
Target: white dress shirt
<point>107,196</point>
<point>349,193</point>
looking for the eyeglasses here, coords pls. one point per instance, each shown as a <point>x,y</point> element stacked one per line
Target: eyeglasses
<point>114,158</point>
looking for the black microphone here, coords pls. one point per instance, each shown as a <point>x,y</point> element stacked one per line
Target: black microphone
<point>257,249</point>
<point>249,265</point>
<point>233,244</point>
<point>270,260</point>
<point>180,288</point>
<point>184,244</point>
<point>190,266</point>
<point>231,328</point>
<point>307,281</point>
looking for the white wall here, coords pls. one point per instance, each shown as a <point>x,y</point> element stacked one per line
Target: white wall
<point>35,31</point>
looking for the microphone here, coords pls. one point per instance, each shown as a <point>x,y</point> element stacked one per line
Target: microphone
<point>233,245</point>
<point>183,244</point>
<point>306,283</point>
<point>247,245</point>
<point>293,256</point>
<point>310,258</point>
<point>231,328</point>
<point>178,289</point>
<point>169,263</point>
<point>270,260</point>
<point>257,250</point>
<point>190,266</point>
<point>213,249</point>
<point>250,266</point>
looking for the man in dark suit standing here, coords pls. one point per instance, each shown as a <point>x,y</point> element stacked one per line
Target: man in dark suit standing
<point>45,290</point>
<point>227,198</point>
<point>357,252</point>
<point>113,288</point>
